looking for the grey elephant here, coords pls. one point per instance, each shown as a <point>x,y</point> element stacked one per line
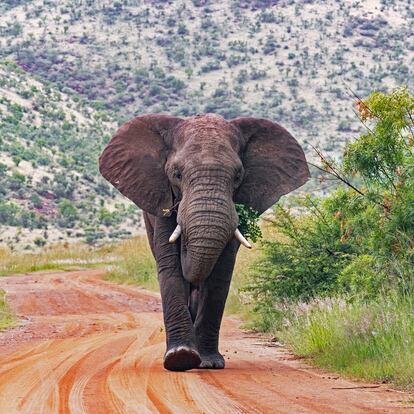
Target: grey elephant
<point>186,174</point>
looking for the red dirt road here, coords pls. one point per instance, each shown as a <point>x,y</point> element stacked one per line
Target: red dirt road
<point>88,346</point>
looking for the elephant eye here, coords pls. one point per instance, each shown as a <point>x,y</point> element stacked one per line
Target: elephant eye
<point>238,177</point>
<point>177,175</point>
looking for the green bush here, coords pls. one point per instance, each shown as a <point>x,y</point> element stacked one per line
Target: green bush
<point>306,258</point>
<point>68,213</point>
<point>39,241</point>
<point>363,277</point>
<point>357,241</point>
<point>9,213</point>
<point>248,219</point>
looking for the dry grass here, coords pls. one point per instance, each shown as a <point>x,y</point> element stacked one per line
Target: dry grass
<point>59,257</point>
<point>238,301</point>
<point>7,318</point>
<point>134,264</point>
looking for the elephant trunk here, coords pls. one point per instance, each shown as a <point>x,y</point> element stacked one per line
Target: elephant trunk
<point>208,223</point>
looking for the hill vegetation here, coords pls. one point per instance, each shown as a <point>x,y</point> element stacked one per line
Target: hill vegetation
<point>286,60</point>
<point>74,70</point>
<point>50,189</point>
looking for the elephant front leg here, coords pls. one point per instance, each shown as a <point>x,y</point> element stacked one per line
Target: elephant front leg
<point>212,299</point>
<point>182,353</point>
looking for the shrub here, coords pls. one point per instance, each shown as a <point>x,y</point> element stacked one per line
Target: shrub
<point>9,213</point>
<point>182,30</point>
<point>363,277</point>
<point>68,213</point>
<point>39,241</point>
<point>357,241</point>
<point>210,66</point>
<point>270,45</point>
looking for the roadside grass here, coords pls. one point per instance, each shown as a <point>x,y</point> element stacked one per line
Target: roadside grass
<point>55,257</point>
<point>238,303</point>
<point>134,264</point>
<point>371,341</point>
<point>7,319</point>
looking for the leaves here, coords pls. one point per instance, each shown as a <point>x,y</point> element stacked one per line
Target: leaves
<point>248,219</point>
<point>378,155</point>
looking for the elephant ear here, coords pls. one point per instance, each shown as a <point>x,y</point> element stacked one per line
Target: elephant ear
<point>134,160</point>
<point>273,160</point>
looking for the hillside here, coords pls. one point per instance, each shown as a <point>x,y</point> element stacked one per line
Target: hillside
<point>50,189</point>
<point>292,61</point>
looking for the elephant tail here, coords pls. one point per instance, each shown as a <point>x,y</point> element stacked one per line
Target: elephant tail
<point>193,301</point>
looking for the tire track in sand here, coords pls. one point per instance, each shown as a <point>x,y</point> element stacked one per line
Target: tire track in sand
<point>88,346</point>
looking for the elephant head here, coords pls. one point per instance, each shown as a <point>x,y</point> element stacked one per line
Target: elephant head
<point>201,166</point>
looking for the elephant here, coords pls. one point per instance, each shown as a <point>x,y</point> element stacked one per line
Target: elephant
<point>186,174</point>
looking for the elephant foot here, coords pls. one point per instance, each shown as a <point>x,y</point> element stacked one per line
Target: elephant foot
<point>212,361</point>
<point>181,358</point>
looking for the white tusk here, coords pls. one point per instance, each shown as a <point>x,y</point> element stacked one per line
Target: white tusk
<point>175,234</point>
<point>241,239</point>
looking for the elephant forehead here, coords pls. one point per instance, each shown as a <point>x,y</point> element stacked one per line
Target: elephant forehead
<point>208,132</point>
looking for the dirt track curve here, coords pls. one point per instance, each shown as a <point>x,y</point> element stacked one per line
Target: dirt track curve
<point>88,346</point>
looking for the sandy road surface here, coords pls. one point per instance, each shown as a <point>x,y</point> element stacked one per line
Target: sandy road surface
<point>88,346</point>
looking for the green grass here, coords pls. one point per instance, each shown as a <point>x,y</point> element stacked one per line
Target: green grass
<point>7,318</point>
<point>239,302</point>
<point>372,341</point>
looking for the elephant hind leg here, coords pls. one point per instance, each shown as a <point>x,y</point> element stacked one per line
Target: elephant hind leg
<point>193,299</point>
<point>181,358</point>
<point>212,361</point>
